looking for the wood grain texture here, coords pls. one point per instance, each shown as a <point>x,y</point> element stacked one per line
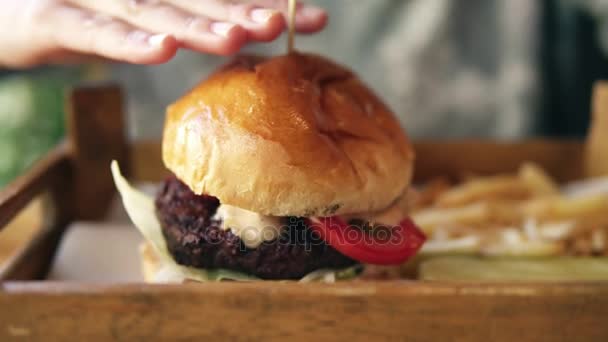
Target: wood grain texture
<point>17,194</point>
<point>596,161</point>
<point>75,175</point>
<point>50,177</point>
<point>562,159</point>
<point>33,260</point>
<point>284,311</point>
<point>96,132</point>
<point>146,161</point>
<point>21,229</point>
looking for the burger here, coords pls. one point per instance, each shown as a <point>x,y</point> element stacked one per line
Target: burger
<point>282,168</point>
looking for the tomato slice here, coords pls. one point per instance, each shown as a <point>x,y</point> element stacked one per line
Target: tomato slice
<point>380,246</point>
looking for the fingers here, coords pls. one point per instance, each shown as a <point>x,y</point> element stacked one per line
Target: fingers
<point>309,19</point>
<point>261,24</point>
<point>213,26</point>
<point>151,31</point>
<point>263,19</point>
<point>64,57</point>
<point>81,31</point>
<point>193,31</point>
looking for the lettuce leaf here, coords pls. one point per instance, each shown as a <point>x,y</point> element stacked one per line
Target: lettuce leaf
<point>141,210</point>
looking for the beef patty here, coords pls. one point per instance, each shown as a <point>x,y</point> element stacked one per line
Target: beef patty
<point>195,239</point>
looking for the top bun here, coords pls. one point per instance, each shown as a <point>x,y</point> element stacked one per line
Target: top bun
<point>294,135</point>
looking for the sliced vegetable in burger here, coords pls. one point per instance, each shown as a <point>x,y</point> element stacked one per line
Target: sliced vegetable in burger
<point>284,168</point>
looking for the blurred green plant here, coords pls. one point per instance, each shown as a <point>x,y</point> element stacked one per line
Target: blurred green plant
<point>31,116</point>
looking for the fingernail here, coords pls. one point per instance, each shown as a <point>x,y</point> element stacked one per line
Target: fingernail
<point>222,29</point>
<point>138,37</point>
<point>157,39</point>
<point>311,12</point>
<point>261,15</point>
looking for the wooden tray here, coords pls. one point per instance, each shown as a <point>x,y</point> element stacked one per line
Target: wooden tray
<point>75,181</point>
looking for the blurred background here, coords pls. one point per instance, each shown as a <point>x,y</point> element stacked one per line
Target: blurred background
<point>506,69</point>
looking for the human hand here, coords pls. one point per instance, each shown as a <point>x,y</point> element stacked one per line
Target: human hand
<point>34,32</point>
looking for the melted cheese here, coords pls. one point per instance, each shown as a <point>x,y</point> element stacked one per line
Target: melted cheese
<point>391,216</point>
<point>251,227</point>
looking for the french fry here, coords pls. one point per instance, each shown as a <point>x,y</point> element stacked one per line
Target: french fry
<point>544,209</point>
<point>562,208</point>
<point>589,237</point>
<point>530,181</point>
<point>512,242</point>
<point>485,189</point>
<point>478,214</point>
<point>429,219</point>
<point>557,231</point>
<point>522,215</point>
<point>428,194</point>
<point>537,180</point>
<point>465,245</point>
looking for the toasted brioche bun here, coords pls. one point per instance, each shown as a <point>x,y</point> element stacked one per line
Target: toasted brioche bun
<point>294,135</point>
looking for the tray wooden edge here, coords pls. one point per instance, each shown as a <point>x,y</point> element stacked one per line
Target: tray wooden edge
<point>279,311</point>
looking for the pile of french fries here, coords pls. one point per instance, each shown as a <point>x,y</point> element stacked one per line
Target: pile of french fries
<point>521,214</point>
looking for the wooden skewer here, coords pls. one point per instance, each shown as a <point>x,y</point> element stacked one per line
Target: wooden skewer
<point>291,10</point>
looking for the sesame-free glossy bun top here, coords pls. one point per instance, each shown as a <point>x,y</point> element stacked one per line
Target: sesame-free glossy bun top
<point>294,135</point>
